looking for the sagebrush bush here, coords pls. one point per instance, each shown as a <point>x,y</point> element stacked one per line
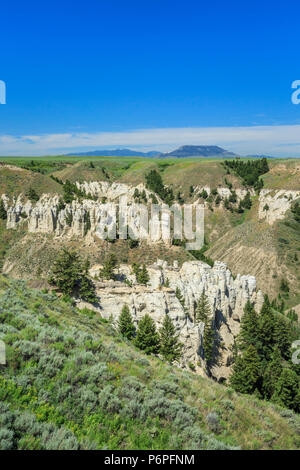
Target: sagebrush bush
<point>6,439</point>
<point>213,422</point>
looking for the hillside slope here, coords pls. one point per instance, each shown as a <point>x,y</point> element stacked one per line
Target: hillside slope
<point>268,252</point>
<point>72,382</point>
<point>16,180</point>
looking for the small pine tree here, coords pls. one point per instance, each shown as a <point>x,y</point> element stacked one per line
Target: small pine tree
<point>287,390</point>
<point>3,213</point>
<point>147,338</point>
<point>144,276</point>
<point>87,289</point>
<point>282,336</point>
<point>87,223</point>
<point>266,330</point>
<point>284,285</point>
<point>69,218</point>
<point>141,274</point>
<point>272,373</point>
<point>292,316</point>
<point>246,202</point>
<point>246,372</point>
<point>154,199</point>
<point>249,332</point>
<point>170,347</point>
<point>68,192</point>
<point>208,342</point>
<point>70,276</point>
<point>203,309</point>
<point>61,205</point>
<point>32,195</point>
<point>66,271</point>
<point>132,243</point>
<point>136,193</point>
<point>204,194</point>
<point>203,313</point>
<point>125,323</point>
<point>179,296</point>
<point>107,272</point>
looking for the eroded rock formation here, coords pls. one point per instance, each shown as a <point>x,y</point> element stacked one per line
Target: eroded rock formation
<point>227,297</point>
<point>273,205</point>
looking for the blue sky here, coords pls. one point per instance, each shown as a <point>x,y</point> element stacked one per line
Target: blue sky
<point>149,74</point>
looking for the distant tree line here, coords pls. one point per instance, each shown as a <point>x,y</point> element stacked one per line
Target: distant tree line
<point>155,183</point>
<point>71,192</point>
<point>249,171</point>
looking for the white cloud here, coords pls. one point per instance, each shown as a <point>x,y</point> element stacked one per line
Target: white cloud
<point>272,140</point>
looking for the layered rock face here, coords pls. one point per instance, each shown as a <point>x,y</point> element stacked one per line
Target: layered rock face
<point>111,213</point>
<point>91,216</point>
<point>81,217</point>
<point>274,204</point>
<point>227,298</point>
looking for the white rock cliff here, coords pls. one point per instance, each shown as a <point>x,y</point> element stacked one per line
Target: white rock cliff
<point>227,297</point>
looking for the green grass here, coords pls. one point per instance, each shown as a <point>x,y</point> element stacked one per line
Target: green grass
<point>72,382</point>
<point>283,174</point>
<point>193,171</point>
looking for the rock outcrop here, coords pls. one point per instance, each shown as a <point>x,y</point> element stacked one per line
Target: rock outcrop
<point>81,217</point>
<point>77,218</point>
<point>225,193</point>
<point>227,297</point>
<point>273,205</point>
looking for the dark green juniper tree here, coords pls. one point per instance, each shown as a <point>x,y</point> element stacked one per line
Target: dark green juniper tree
<point>147,338</point>
<point>287,392</point>
<point>3,212</point>
<point>170,347</point>
<point>143,277</point>
<point>125,323</point>
<point>249,333</point>
<point>246,372</point>
<point>141,273</point>
<point>203,309</point>
<point>203,314</point>
<point>110,263</point>
<point>179,296</point>
<point>272,373</point>
<point>32,195</point>
<point>70,275</point>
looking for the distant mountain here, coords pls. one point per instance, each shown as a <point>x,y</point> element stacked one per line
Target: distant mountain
<point>201,151</point>
<point>117,153</point>
<point>186,151</point>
